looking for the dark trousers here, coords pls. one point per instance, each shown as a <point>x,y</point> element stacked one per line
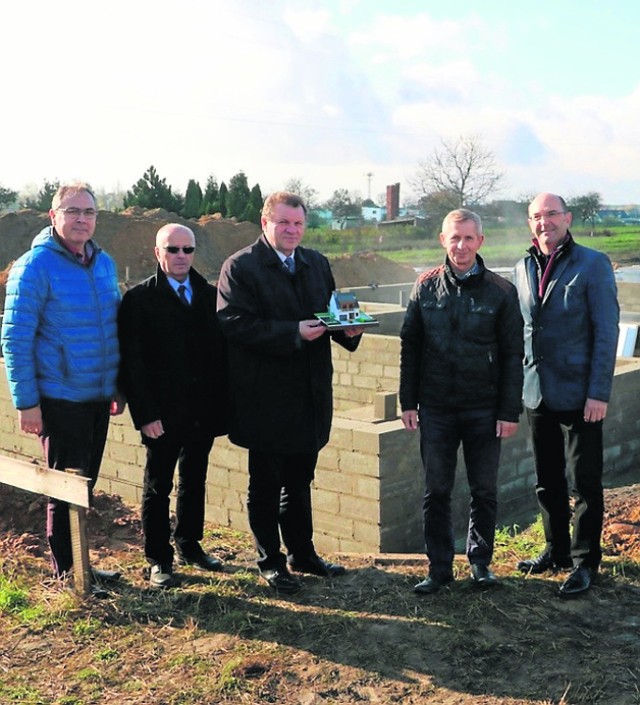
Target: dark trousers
<point>441,433</point>
<point>578,473</point>
<point>191,454</point>
<point>73,436</point>
<point>280,502</point>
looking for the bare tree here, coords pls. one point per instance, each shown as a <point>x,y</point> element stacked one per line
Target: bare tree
<point>463,168</point>
<point>586,207</point>
<point>296,185</point>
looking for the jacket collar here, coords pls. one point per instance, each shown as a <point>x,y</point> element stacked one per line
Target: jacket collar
<point>270,257</point>
<point>470,279</point>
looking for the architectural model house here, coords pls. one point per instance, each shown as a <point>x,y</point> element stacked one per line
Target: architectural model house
<point>344,307</point>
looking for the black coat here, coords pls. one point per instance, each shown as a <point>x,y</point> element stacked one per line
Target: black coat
<point>173,359</point>
<point>461,344</point>
<point>281,386</point>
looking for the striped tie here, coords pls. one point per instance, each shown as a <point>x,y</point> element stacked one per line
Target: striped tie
<point>181,293</point>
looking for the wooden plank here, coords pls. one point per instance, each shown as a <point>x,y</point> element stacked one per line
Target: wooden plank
<point>79,546</point>
<point>51,483</point>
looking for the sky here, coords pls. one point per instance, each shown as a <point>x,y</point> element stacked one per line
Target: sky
<point>341,94</point>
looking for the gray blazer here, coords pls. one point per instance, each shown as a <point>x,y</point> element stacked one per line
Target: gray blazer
<point>570,336</point>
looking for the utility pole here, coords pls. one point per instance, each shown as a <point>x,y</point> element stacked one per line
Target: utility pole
<point>369,176</point>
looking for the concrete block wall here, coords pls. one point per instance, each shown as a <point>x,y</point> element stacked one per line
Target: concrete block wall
<point>629,296</point>
<point>373,367</point>
<point>369,482</point>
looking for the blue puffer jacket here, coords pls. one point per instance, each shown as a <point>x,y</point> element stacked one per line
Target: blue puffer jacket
<point>59,333</point>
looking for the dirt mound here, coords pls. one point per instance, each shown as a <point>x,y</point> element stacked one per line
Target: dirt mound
<point>368,269</point>
<point>129,237</point>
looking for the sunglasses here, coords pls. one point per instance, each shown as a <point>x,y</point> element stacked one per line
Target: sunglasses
<point>174,249</point>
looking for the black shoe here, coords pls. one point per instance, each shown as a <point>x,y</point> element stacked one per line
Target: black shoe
<point>98,592</point>
<point>162,577</point>
<point>433,583</point>
<point>105,576</point>
<point>281,580</point>
<point>543,563</point>
<point>579,581</point>
<point>202,561</point>
<point>482,576</point>
<point>314,565</point>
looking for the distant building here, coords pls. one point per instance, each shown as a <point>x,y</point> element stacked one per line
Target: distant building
<point>376,213</point>
<point>409,220</point>
<point>347,221</point>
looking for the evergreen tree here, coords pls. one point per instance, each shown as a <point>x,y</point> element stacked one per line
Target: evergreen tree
<point>253,210</point>
<point>210,202</point>
<point>238,196</point>
<point>7,197</point>
<point>222,200</point>
<point>42,202</point>
<point>153,192</point>
<point>192,200</point>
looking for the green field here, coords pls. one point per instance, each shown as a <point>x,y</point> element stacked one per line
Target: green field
<point>503,246</point>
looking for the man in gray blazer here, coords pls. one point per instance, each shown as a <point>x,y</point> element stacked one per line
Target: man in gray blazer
<point>568,301</point>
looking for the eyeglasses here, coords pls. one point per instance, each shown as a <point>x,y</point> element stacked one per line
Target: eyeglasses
<point>174,249</point>
<point>537,217</point>
<point>77,212</point>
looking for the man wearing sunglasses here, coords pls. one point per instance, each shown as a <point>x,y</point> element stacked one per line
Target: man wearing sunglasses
<point>568,300</point>
<point>173,372</point>
<point>281,374</point>
<point>61,350</point>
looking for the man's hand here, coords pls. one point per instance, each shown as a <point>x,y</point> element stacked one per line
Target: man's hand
<point>353,331</point>
<point>153,429</point>
<point>595,410</point>
<point>30,420</point>
<point>505,429</point>
<point>410,419</point>
<point>118,404</point>
<point>310,330</point>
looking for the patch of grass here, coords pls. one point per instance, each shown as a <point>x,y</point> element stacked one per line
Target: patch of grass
<point>13,599</point>
<point>107,654</point>
<point>86,627</point>
<point>511,542</point>
<point>22,695</point>
<point>88,675</point>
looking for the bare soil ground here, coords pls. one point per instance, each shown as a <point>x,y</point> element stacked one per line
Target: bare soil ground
<point>362,638</point>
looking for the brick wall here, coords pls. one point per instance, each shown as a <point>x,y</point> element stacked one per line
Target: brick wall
<point>368,489</point>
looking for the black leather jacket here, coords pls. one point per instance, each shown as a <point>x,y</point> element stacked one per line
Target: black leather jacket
<point>462,344</point>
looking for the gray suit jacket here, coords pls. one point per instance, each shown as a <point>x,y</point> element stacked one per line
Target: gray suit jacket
<point>571,335</point>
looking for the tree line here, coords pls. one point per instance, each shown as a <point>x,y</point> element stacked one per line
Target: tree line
<point>459,173</point>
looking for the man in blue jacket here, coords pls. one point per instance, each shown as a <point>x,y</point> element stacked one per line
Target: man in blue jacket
<point>60,347</point>
<point>568,301</point>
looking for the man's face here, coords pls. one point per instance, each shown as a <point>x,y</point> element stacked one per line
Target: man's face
<point>285,227</point>
<point>75,228</point>
<point>461,241</point>
<point>548,221</point>
<point>175,264</point>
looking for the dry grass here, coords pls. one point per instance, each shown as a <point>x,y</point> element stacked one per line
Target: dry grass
<point>362,638</point>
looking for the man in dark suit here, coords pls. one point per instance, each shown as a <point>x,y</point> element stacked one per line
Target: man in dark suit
<point>568,300</point>
<point>173,373</point>
<point>280,372</point>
